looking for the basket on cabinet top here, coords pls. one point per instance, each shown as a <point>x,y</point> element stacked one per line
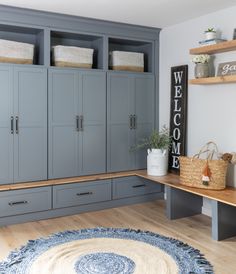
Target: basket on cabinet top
<point>125,60</point>
<point>16,52</point>
<point>66,56</point>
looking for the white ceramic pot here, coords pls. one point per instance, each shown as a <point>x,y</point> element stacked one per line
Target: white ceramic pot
<point>210,35</point>
<point>157,162</point>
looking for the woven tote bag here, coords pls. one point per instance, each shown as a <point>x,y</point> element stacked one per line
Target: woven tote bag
<point>205,173</point>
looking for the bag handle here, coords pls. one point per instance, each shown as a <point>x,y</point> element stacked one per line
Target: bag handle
<point>206,148</point>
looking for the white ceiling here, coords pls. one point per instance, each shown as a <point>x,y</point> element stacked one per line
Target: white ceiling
<point>154,13</point>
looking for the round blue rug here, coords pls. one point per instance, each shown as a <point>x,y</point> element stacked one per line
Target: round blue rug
<point>106,251</point>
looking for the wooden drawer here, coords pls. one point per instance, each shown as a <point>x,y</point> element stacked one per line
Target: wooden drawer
<point>22,201</point>
<point>133,186</point>
<point>81,193</point>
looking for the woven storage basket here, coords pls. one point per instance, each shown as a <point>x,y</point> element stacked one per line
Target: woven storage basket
<point>16,52</point>
<point>191,170</point>
<point>64,56</point>
<point>125,60</point>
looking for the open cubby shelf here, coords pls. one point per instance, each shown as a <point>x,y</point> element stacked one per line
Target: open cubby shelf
<point>44,40</point>
<point>134,46</point>
<point>80,40</point>
<point>26,35</point>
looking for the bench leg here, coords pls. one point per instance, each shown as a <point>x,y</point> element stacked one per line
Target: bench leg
<point>223,221</point>
<point>181,204</point>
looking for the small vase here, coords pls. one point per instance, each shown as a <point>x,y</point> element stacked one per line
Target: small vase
<point>201,70</point>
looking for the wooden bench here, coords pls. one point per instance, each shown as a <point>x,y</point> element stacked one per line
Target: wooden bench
<point>181,201</point>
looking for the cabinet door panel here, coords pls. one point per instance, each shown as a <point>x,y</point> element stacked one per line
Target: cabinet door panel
<point>143,131</point>
<point>93,136</point>
<point>119,153</point>
<point>93,147</point>
<point>144,110</point>
<point>120,137</point>
<point>30,106</point>
<point>6,138</point>
<point>63,137</point>
<point>144,99</point>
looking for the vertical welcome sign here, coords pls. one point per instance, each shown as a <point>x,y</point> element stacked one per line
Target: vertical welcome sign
<point>178,115</point>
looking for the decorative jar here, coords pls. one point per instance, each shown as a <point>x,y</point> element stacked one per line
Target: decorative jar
<point>201,70</point>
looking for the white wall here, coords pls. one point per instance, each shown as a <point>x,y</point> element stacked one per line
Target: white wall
<point>211,109</point>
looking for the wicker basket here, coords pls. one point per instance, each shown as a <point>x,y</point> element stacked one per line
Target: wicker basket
<point>16,52</point>
<point>64,56</point>
<point>124,60</point>
<point>192,170</point>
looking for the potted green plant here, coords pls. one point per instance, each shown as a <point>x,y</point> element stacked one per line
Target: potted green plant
<point>210,33</point>
<point>157,145</point>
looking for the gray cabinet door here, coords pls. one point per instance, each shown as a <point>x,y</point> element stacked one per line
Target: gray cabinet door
<point>30,138</point>
<point>63,108</point>
<point>120,138</point>
<point>92,137</point>
<point>6,137</point>
<point>128,94</point>
<point>144,111</point>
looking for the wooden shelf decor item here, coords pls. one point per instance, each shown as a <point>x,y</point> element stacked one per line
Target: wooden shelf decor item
<point>213,80</point>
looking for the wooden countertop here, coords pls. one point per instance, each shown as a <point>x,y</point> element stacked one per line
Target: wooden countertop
<point>227,196</point>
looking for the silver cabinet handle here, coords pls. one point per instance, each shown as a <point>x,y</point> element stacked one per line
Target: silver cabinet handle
<point>131,121</point>
<point>12,125</point>
<point>17,203</point>
<point>135,122</point>
<point>77,122</point>
<point>17,125</point>
<point>81,126</point>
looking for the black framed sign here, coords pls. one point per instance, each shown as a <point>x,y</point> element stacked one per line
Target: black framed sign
<point>178,115</point>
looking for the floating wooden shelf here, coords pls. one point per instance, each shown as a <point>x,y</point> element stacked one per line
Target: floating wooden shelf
<point>217,48</point>
<point>213,80</point>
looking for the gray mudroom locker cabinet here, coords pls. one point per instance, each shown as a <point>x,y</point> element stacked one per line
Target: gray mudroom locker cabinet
<point>130,118</point>
<point>23,124</point>
<point>77,122</point>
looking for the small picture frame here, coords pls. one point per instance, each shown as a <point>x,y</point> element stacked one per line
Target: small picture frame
<point>234,34</point>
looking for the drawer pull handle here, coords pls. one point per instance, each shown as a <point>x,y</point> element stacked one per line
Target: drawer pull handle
<point>18,203</point>
<point>136,186</point>
<point>84,193</point>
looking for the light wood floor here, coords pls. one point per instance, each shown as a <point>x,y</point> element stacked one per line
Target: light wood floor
<point>196,231</point>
